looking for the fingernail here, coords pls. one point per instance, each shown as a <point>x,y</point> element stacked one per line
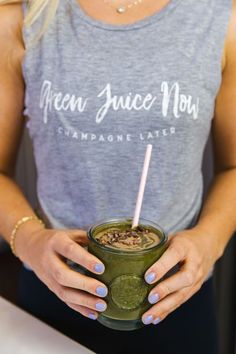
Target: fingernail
<point>154,298</point>
<point>92,316</point>
<point>101,291</point>
<point>100,306</point>
<point>150,277</point>
<point>158,320</point>
<point>99,268</point>
<point>147,320</point>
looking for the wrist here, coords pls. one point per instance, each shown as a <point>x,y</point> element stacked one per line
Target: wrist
<point>24,237</point>
<point>212,239</point>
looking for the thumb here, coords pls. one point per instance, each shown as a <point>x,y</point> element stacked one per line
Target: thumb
<point>79,236</point>
<point>172,236</point>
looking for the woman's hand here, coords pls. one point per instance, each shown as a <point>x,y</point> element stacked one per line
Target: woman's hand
<point>195,252</point>
<point>45,252</point>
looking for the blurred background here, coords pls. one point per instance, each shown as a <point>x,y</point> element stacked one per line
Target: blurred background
<point>225,270</point>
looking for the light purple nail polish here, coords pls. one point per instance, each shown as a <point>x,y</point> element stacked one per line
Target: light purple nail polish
<point>147,320</point>
<point>92,316</point>
<point>153,298</point>
<point>99,268</point>
<point>157,320</point>
<point>101,291</point>
<point>100,306</point>
<point>150,277</point>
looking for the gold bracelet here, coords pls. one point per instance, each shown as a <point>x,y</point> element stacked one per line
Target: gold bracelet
<point>16,227</point>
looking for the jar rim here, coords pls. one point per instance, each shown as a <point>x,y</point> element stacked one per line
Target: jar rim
<point>163,235</point>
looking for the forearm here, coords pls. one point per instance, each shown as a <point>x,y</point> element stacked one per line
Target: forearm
<point>13,207</point>
<point>218,215</point>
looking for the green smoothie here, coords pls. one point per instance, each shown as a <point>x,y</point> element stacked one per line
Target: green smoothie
<point>126,253</point>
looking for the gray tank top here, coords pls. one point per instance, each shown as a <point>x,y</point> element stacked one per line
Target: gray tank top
<point>97,94</point>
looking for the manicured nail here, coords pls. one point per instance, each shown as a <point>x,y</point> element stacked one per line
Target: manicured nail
<point>147,320</point>
<point>99,268</point>
<point>92,316</point>
<point>158,320</point>
<point>101,291</point>
<point>150,277</point>
<point>153,298</point>
<point>100,306</point>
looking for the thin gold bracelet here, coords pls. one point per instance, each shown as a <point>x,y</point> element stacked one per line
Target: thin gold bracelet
<point>16,227</point>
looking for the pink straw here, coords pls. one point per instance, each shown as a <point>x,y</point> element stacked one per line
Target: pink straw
<point>142,186</point>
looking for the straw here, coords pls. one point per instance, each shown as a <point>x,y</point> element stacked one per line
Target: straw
<point>142,186</point>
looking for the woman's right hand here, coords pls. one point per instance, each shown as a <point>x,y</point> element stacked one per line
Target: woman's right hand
<point>45,251</point>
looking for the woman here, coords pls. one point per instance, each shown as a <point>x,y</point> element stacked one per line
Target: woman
<point>104,79</point>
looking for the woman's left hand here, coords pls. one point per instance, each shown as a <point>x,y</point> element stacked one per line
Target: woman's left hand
<point>195,251</point>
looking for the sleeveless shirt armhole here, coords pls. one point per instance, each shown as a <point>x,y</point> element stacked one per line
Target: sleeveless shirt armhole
<point>229,13</point>
<point>226,12</point>
<point>28,34</point>
<point>25,36</point>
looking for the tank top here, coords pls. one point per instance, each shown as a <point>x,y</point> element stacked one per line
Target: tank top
<point>98,93</point>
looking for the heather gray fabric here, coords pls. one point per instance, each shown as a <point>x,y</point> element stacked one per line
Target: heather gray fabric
<point>97,94</point>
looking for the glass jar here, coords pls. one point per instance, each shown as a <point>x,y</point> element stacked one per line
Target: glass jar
<point>127,297</point>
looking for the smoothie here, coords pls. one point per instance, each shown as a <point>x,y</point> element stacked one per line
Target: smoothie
<point>126,253</point>
<point>128,239</point>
